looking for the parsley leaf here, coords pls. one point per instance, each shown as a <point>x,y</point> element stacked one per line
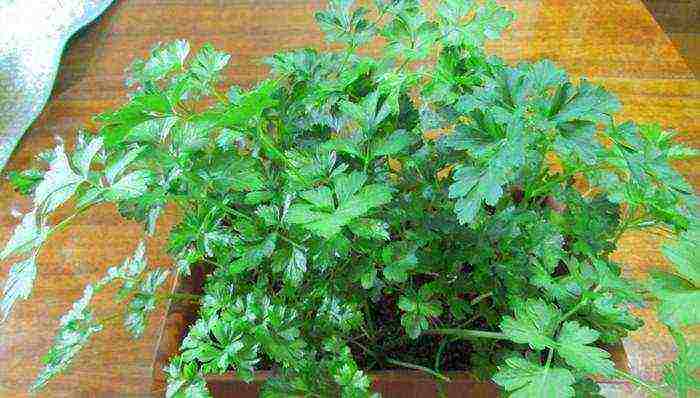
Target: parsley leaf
<point>60,183</point>
<point>419,308</point>
<point>573,340</point>
<point>353,202</point>
<point>533,324</point>
<point>18,285</point>
<point>525,379</point>
<point>76,328</point>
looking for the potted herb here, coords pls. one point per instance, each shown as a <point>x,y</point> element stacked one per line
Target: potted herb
<point>430,208</point>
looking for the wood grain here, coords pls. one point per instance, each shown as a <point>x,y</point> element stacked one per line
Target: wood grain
<point>613,42</point>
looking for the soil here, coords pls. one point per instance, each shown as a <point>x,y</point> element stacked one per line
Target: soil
<point>389,341</point>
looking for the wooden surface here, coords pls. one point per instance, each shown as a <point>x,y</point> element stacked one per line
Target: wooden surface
<point>613,42</point>
<point>680,20</point>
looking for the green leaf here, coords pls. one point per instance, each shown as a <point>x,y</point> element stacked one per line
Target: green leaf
<point>296,267</point>
<point>397,270</point>
<point>577,140</point>
<point>247,180</point>
<point>83,156</point>
<point>75,330</point>
<point>25,181</point>
<point>163,60</point>
<point>685,255</point>
<point>353,381</point>
<point>679,294</point>
<point>369,277</point>
<point>679,300</point>
<point>18,285</point>
<point>257,197</point>
<point>533,324</point>
<point>254,255</point>
<point>270,214</point>
<point>185,380</point>
<point>525,379</point>
<point>351,206</point>
<point>366,113</point>
<point>681,374</point>
<point>143,106</point>
<point>128,272</point>
<point>573,345</point>
<point>117,167</point>
<point>410,36</point>
<point>152,130</point>
<point>588,102</point>
<point>347,185</point>
<point>143,302</point>
<point>341,23</point>
<point>59,183</point>
<point>487,22</point>
<point>132,185</point>
<point>321,197</point>
<point>393,144</point>
<point>418,309</point>
<point>339,313</point>
<point>370,228</point>
<point>251,105</point>
<point>28,235</point>
<point>473,186</point>
<point>208,63</point>
<point>351,146</point>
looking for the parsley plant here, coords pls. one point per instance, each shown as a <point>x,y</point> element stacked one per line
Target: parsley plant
<point>468,198</point>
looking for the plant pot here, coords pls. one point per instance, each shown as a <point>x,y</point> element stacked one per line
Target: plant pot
<point>390,383</point>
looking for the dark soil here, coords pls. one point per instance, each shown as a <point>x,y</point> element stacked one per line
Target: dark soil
<point>389,341</point>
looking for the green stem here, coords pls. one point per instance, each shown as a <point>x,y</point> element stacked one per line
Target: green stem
<point>222,205</point>
<point>577,307</point>
<point>481,297</point>
<point>219,96</point>
<point>418,367</point>
<point>178,296</point>
<point>547,364</point>
<point>349,51</point>
<point>441,348</point>
<point>104,320</point>
<point>561,178</point>
<point>370,322</point>
<point>57,228</point>
<point>291,242</point>
<point>269,144</point>
<point>371,353</point>
<point>468,334</point>
<point>638,382</point>
<point>63,224</point>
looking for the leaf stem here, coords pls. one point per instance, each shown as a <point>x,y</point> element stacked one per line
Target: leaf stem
<point>418,367</point>
<point>481,297</point>
<point>219,96</point>
<point>638,382</point>
<point>179,296</point>
<point>577,307</point>
<point>102,321</point>
<point>291,242</point>
<point>267,143</point>
<point>441,348</point>
<point>561,178</point>
<point>468,334</point>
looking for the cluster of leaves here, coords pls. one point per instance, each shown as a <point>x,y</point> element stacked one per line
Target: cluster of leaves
<point>678,294</point>
<point>462,187</point>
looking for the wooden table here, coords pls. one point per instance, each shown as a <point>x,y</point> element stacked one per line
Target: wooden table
<point>613,42</point>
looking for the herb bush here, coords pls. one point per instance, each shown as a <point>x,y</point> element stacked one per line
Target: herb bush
<point>431,208</point>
